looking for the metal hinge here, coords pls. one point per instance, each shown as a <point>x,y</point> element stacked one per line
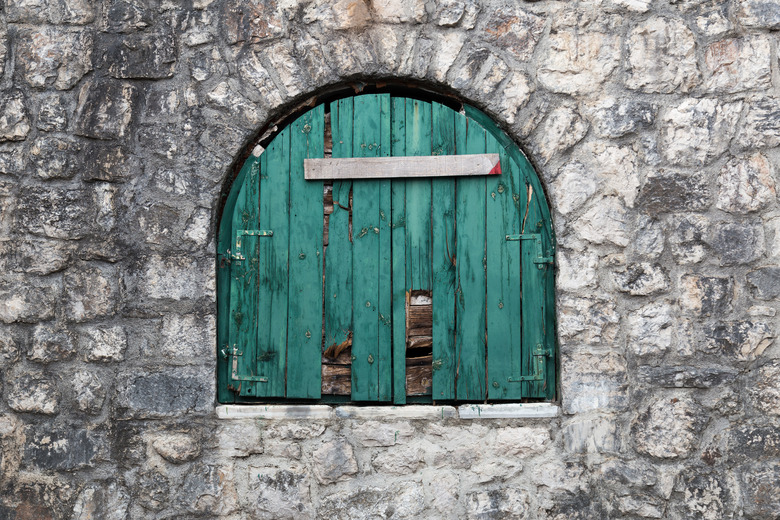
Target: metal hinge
<point>540,364</point>
<point>542,257</point>
<point>234,375</point>
<point>241,233</point>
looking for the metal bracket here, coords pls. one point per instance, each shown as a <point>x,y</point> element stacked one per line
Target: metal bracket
<point>540,361</point>
<point>540,258</point>
<point>236,253</point>
<point>234,375</point>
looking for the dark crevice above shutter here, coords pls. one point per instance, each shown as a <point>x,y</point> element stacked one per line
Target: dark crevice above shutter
<point>386,290</point>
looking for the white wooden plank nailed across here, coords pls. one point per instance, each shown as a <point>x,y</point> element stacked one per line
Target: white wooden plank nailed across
<point>396,167</point>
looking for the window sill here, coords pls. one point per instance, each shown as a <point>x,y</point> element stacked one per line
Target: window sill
<point>322,411</point>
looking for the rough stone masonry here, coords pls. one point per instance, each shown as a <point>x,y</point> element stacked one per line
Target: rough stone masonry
<point>654,126</point>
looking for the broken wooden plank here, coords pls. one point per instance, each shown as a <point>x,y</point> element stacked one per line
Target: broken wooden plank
<point>401,167</point>
<point>418,380</point>
<point>336,380</point>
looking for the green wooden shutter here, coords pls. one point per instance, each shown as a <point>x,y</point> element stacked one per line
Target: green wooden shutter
<point>482,247</point>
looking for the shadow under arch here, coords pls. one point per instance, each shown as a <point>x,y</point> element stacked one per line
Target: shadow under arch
<point>256,279</point>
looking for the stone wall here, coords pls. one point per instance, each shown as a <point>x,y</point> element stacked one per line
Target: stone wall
<point>654,126</point>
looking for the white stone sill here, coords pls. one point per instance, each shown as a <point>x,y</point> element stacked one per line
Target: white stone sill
<point>324,411</point>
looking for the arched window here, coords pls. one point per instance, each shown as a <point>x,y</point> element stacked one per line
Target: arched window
<point>423,276</point>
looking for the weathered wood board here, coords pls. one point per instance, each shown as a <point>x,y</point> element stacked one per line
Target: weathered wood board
<point>402,167</point>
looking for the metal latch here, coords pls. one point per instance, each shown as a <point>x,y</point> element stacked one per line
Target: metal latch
<point>241,233</point>
<point>540,259</point>
<point>540,362</point>
<point>234,375</point>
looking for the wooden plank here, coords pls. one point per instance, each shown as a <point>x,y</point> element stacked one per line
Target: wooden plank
<point>336,380</point>
<point>398,189</point>
<point>505,208</point>
<point>443,259</point>
<point>338,255</point>
<point>418,379</point>
<point>306,222</point>
<point>224,265</point>
<point>244,296</point>
<point>418,198</point>
<point>402,167</point>
<point>470,240</point>
<point>273,261</point>
<point>385,276</point>
<point>368,279</point>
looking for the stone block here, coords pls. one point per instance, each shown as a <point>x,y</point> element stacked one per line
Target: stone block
<point>52,114</point>
<point>763,388</point>
<point>650,329</point>
<point>89,391</point>
<point>593,382</point>
<point>576,270</point>
<point>280,493</point>
<point>604,221</point>
<point>14,121</point>
<point>334,461</point>
<point>737,243</point>
<point>596,435</point>
<point>661,57</point>
<point>593,320</point>
<point>145,55</point>
<point>105,500</point>
<point>239,438</point>
<point>103,344</point>
<point>152,490</point>
<point>30,301</point>
<point>668,428</point>
<point>740,340</point>
<point>738,64</point>
<point>669,191</point>
<point>397,11</point>
<point>404,460</point>
<point>573,187</point>
<point>171,278</point>
<point>515,30</point>
<point>505,502</point>
<point>515,95</point>
<point>11,345</point>
<point>105,109</point>
<point>578,62</point>
<point>253,21</point>
<point>650,236</point>
<point>64,447</point>
<point>91,292</point>
<point>746,185</point>
<point>685,376</point>
<point>185,339</point>
<point>449,13</point>
<point>208,490</point>
<point>562,129</point>
<point>406,499</point>
<point>127,16</point>
<point>760,485</point>
<point>759,14</point>
<point>754,442</point>
<point>376,434</point>
<point>521,441</point>
<point>765,283</point>
<point>760,128</point>
<point>41,256</point>
<point>33,392</point>
<point>52,56</point>
<point>141,394</point>
<point>696,131</point>
<point>72,12</point>
<point>55,158</point>
<point>706,295</point>
<point>642,279</point>
<point>108,163</point>
<point>615,117</point>
<point>50,343</point>
<point>3,45</point>
<point>177,448</point>
<point>686,240</point>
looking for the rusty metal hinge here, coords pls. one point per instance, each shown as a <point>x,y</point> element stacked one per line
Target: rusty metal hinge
<point>542,257</point>
<point>240,234</point>
<point>540,363</point>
